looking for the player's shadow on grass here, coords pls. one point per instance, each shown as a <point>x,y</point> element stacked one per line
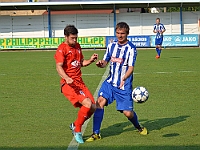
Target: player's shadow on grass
<point>158,124</point>
<point>151,125</point>
<point>176,57</point>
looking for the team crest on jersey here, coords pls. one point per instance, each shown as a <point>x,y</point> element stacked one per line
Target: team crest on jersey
<point>70,52</point>
<point>75,64</point>
<point>114,59</point>
<point>82,93</point>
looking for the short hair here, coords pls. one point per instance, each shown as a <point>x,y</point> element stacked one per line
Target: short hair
<point>123,25</point>
<point>70,29</point>
<point>158,19</point>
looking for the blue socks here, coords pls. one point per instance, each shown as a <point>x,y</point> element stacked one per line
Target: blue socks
<point>158,51</point>
<point>97,119</point>
<point>134,121</point>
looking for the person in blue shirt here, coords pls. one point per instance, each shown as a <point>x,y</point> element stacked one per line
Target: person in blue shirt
<point>159,29</point>
<point>121,56</point>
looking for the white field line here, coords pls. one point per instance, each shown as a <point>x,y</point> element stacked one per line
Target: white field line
<point>93,74</point>
<point>73,145</point>
<point>162,72</point>
<point>184,71</point>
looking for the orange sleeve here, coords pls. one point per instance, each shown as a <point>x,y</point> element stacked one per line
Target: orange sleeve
<point>59,55</point>
<point>82,57</point>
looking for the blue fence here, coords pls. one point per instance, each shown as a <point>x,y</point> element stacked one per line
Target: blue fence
<point>178,40</point>
<point>138,41</point>
<point>168,40</point>
<point>99,42</point>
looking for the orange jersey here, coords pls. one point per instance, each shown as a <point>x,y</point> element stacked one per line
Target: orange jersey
<point>71,58</point>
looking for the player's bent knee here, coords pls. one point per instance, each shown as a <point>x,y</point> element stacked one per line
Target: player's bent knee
<point>128,114</point>
<point>87,103</point>
<point>101,102</point>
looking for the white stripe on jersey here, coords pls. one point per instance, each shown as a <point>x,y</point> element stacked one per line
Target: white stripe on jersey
<point>113,55</point>
<point>159,27</point>
<point>116,75</point>
<point>120,57</point>
<point>122,75</point>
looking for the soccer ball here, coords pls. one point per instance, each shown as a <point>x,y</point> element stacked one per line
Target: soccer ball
<point>140,94</point>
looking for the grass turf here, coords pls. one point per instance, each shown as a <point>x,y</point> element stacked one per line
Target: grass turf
<point>35,115</point>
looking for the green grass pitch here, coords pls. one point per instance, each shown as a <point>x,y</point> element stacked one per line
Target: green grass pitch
<point>34,115</point>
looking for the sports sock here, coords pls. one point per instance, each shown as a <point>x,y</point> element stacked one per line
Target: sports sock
<point>97,119</point>
<point>134,121</point>
<point>82,117</point>
<point>90,114</point>
<point>157,50</point>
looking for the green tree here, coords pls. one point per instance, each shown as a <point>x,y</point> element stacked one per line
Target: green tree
<point>177,9</point>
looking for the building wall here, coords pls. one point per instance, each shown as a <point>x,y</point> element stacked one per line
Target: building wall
<point>12,1</point>
<point>96,24</point>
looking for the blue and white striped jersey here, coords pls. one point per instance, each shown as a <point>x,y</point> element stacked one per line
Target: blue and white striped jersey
<point>120,58</point>
<point>157,28</point>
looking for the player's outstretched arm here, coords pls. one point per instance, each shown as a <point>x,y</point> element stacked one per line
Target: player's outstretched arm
<point>92,59</point>
<point>101,63</point>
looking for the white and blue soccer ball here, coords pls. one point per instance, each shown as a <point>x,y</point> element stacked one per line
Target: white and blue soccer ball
<point>140,94</point>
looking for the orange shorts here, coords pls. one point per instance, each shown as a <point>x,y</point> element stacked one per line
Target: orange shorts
<point>76,93</point>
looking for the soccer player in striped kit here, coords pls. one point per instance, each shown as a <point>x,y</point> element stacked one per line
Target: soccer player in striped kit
<point>159,29</point>
<point>121,55</point>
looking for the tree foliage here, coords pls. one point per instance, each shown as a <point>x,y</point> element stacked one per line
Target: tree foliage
<point>177,9</point>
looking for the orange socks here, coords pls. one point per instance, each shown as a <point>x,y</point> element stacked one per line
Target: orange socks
<point>83,114</point>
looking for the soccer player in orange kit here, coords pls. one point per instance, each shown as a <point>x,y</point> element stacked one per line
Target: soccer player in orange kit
<point>69,60</point>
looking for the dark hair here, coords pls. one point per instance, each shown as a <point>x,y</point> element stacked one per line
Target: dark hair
<point>123,25</point>
<point>158,19</point>
<point>70,29</point>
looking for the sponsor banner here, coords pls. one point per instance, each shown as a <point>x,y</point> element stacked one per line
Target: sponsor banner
<point>178,40</point>
<point>25,43</point>
<point>92,42</point>
<point>37,43</point>
<point>138,41</point>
